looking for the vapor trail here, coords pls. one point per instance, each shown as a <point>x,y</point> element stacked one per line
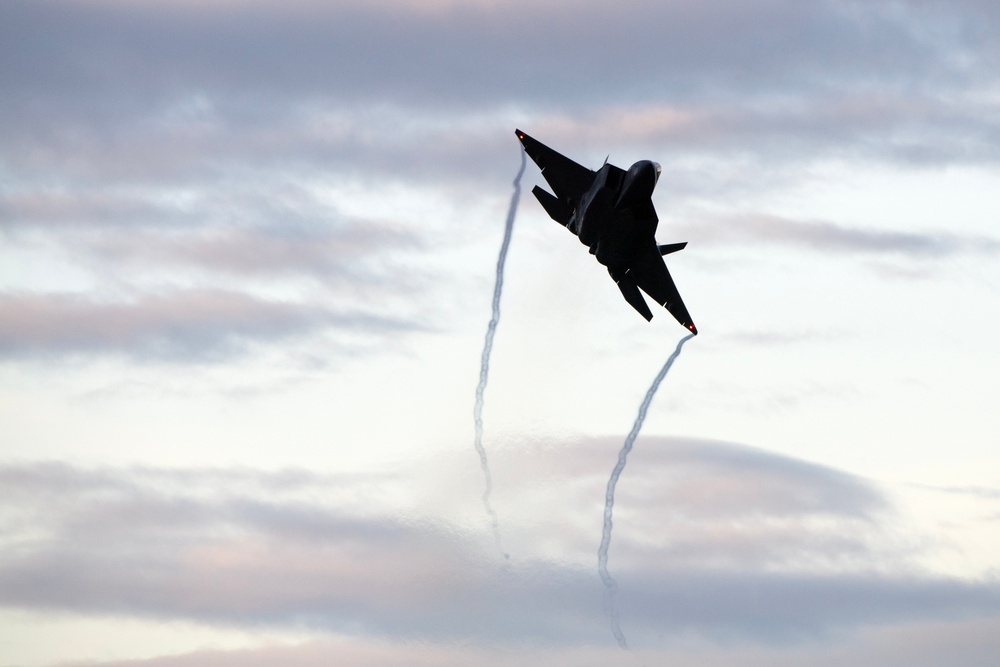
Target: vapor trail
<point>611,586</point>
<point>484,369</point>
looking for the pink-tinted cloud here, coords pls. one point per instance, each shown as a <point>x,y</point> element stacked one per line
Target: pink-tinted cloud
<point>705,532</point>
<point>195,325</point>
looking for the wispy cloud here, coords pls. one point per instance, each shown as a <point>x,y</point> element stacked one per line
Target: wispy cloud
<point>982,492</point>
<point>833,238</point>
<point>193,325</point>
<point>346,252</point>
<point>698,503</point>
<point>198,92</point>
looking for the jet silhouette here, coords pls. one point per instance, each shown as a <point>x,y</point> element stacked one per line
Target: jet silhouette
<point>611,211</point>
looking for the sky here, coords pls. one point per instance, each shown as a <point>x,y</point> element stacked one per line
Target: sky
<point>247,257</point>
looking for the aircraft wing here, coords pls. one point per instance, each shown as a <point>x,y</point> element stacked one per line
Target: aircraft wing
<point>653,278</point>
<point>568,180</point>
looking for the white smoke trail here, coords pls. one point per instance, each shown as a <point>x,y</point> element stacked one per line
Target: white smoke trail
<point>484,369</point>
<point>611,586</point>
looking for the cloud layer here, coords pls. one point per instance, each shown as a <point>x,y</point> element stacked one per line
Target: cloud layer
<point>274,189</point>
<point>725,541</point>
<point>199,145</point>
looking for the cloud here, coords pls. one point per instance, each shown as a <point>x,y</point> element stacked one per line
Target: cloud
<point>833,238</point>
<point>46,208</point>
<point>344,252</point>
<point>236,557</point>
<point>756,482</point>
<point>192,325</point>
<point>283,549</point>
<point>973,644</point>
<point>175,89</point>
<point>402,49</point>
<point>981,492</point>
<point>704,504</point>
<point>264,177</point>
<point>904,126</point>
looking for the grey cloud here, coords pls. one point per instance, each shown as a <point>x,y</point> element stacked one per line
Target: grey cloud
<point>236,557</point>
<point>248,200</point>
<point>782,607</point>
<point>971,644</point>
<point>198,325</point>
<point>345,251</point>
<point>289,548</point>
<point>38,207</point>
<point>713,479</point>
<point>833,238</point>
<point>317,141</point>
<point>902,126</point>
<point>700,503</point>
<point>758,482</point>
<point>388,49</point>
<point>271,235</point>
<point>264,227</point>
<point>175,89</point>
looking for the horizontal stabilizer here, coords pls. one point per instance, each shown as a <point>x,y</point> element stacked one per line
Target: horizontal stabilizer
<point>568,180</point>
<point>631,293</point>
<point>556,209</point>
<point>650,273</point>
<point>671,247</point>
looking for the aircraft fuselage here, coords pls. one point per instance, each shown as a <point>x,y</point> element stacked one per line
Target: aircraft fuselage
<point>616,211</point>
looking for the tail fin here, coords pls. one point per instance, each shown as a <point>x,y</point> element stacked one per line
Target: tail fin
<point>556,209</point>
<point>671,247</point>
<point>626,283</point>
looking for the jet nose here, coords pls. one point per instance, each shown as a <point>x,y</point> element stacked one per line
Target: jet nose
<point>656,166</point>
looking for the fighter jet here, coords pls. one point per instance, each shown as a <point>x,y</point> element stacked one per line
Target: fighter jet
<point>611,211</point>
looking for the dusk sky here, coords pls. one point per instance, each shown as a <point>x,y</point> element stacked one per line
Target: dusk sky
<point>247,256</point>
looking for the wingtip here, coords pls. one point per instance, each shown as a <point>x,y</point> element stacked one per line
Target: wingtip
<point>693,329</point>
